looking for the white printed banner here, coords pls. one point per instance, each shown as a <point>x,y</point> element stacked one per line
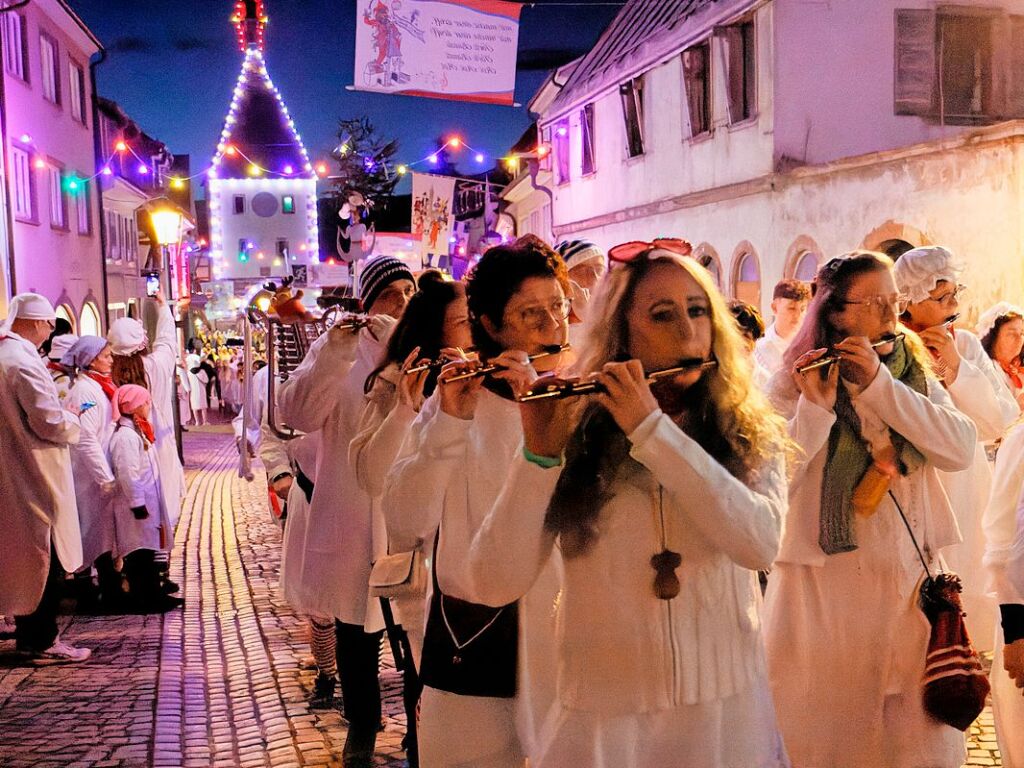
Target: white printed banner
<point>443,49</point>
<point>432,216</point>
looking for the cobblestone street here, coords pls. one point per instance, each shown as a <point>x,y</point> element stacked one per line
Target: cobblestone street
<point>223,682</point>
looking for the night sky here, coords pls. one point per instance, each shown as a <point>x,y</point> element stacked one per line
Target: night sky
<point>173,65</point>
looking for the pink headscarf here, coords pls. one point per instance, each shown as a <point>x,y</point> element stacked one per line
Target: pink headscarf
<point>126,401</point>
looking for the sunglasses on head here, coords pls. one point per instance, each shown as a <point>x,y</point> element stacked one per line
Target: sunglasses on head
<point>626,252</point>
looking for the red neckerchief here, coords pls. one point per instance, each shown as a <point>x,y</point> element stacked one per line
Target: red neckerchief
<point>53,365</point>
<point>1012,370</point>
<point>145,428</point>
<point>105,381</point>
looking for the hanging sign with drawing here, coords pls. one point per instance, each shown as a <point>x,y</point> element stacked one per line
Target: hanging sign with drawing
<point>446,49</point>
<point>432,215</point>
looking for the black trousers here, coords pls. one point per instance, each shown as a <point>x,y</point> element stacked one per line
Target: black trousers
<point>38,630</point>
<point>358,655</point>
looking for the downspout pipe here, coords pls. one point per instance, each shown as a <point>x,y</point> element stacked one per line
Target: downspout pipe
<point>94,61</point>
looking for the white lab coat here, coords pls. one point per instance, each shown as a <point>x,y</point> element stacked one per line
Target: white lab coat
<point>1004,559</point>
<point>845,638</point>
<point>978,392</point>
<point>383,425</point>
<point>91,467</point>
<point>449,473</point>
<point>160,366</point>
<point>138,484</point>
<point>36,483</point>
<point>325,393</point>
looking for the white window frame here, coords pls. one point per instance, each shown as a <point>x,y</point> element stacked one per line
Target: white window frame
<point>49,62</point>
<point>76,92</point>
<point>15,45</point>
<point>587,139</point>
<point>23,176</point>
<point>58,198</point>
<point>83,212</point>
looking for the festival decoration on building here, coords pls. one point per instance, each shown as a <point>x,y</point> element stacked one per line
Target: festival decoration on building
<point>446,49</point>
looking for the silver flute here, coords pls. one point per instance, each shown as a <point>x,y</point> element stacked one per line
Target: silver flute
<point>563,389</point>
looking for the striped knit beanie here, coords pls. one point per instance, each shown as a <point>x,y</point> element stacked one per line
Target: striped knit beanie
<point>575,252</point>
<point>377,275</point>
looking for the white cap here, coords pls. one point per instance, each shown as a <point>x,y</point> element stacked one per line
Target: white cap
<point>127,336</point>
<point>988,318</point>
<point>60,345</point>
<point>28,306</point>
<point>919,270</point>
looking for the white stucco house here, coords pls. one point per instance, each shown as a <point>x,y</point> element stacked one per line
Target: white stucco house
<point>773,134</point>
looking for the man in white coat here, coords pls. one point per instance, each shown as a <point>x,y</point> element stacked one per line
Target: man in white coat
<point>928,276</point>
<point>39,516</point>
<point>326,393</point>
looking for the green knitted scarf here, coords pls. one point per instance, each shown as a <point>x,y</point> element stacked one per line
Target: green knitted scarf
<point>848,456</point>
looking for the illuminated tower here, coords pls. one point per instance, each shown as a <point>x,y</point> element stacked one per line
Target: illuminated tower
<point>262,187</point>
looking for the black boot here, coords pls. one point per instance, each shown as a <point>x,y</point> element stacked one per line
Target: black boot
<point>323,692</point>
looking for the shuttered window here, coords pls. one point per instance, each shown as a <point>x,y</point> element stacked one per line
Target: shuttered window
<point>959,65</point>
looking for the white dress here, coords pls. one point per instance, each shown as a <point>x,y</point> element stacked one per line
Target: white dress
<point>91,467</point>
<point>645,682</point>
<point>197,384</point>
<point>979,393</point>
<point>845,638</point>
<point>1004,557</point>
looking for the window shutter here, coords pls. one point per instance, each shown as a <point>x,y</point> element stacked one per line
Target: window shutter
<point>1015,84</point>
<point>914,69</point>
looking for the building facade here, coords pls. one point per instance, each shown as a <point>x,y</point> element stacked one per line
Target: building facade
<point>50,159</point>
<point>773,135</point>
<point>135,172</point>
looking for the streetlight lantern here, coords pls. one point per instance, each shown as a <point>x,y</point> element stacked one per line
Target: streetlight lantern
<point>167,224</point>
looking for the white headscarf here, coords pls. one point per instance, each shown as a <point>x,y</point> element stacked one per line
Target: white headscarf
<point>919,270</point>
<point>28,306</point>
<point>60,345</point>
<point>988,318</point>
<point>127,336</point>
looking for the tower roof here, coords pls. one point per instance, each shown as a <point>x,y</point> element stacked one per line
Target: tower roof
<point>259,139</point>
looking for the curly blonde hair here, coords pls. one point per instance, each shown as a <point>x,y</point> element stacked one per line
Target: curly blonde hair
<point>733,420</point>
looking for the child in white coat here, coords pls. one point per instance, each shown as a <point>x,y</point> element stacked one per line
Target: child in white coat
<point>140,515</point>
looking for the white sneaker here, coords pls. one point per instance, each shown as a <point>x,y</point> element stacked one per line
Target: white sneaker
<point>61,653</point>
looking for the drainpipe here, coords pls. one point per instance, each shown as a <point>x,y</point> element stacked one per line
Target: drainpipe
<point>94,61</point>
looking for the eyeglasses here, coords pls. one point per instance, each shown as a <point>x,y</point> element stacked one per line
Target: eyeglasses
<point>897,302</point>
<point>535,317</point>
<point>626,252</point>
<point>949,298</point>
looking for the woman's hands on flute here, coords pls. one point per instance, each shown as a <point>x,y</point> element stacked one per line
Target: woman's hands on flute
<point>627,396</point>
<point>818,385</point>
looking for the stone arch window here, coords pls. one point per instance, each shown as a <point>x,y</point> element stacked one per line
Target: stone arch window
<point>894,239</point>
<point>708,258</point>
<point>89,321</point>
<point>803,259</point>
<point>746,275</point>
<point>67,313</point>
